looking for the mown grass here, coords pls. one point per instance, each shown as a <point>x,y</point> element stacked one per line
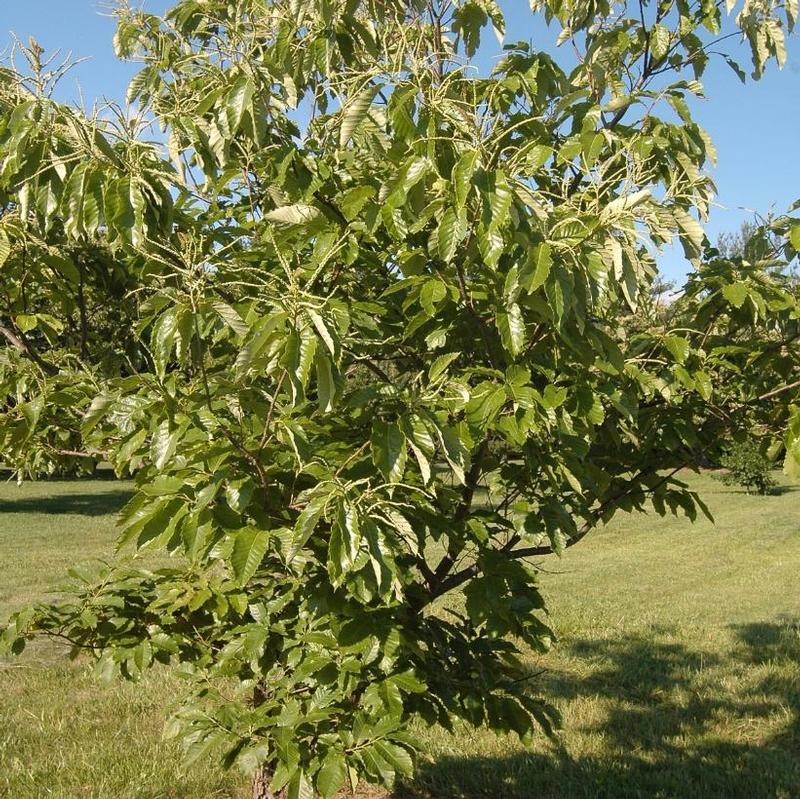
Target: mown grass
<point>677,670</point>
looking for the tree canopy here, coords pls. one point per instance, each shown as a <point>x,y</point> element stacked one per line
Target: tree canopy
<point>369,327</point>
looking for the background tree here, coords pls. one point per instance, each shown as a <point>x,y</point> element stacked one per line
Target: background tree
<point>382,349</point>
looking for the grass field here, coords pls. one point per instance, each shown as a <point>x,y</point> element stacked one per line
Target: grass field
<point>677,670</point>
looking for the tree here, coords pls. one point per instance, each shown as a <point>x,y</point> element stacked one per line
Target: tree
<point>388,345</point>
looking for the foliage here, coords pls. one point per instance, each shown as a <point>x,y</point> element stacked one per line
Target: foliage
<point>748,467</point>
<point>391,335</point>
<point>619,651</point>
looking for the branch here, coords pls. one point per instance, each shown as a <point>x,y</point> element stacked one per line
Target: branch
<point>462,576</point>
<point>780,390</point>
<point>467,495</point>
<point>21,344</point>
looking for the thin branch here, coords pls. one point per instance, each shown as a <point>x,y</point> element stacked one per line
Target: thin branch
<point>22,345</point>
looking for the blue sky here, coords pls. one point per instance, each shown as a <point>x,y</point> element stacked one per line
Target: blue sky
<point>756,127</point>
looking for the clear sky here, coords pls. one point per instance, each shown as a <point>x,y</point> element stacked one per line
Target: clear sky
<point>755,127</point>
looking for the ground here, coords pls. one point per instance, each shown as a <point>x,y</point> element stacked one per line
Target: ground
<point>677,669</point>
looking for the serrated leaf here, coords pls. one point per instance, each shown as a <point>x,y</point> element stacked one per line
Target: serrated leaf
<point>300,787</point>
<point>162,339</point>
<point>703,384</point>
<point>536,268</point>
<point>239,493</point>
<point>511,325</point>
<point>355,110</point>
<point>396,756</point>
<point>691,230</point>
<point>238,101</point>
<point>451,232</point>
<point>456,454</point>
<point>462,177</point>
<point>627,202</point>
<point>332,775</point>
<point>794,236</point>
<point>26,322</point>
<point>499,200</point>
<point>163,445</point>
<point>5,247</point>
<point>62,266</point>
<point>326,387</point>
<point>736,293</point>
<point>322,329</point>
<point>231,318</point>
<point>249,548</point>
<point>388,444</point>
<point>296,214</point>
<point>431,294</point>
<point>307,522</point>
<point>660,41</point>
<point>440,364</point>
<point>678,347</point>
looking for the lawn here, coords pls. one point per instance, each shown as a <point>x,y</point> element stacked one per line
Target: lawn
<point>677,670</point>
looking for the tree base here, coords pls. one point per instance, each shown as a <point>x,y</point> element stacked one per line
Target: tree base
<point>261,789</point>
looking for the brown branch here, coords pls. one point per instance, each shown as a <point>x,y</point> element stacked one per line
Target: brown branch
<point>462,576</point>
<point>82,310</point>
<point>780,390</point>
<point>22,345</point>
<point>467,495</point>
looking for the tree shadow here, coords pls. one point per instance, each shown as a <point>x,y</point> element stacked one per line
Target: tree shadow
<point>780,490</point>
<point>99,503</point>
<point>671,727</point>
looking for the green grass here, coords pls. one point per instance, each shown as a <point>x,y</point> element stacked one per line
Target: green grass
<point>677,670</point>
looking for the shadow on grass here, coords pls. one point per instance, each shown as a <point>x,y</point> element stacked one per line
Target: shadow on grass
<point>97,503</point>
<point>665,733</point>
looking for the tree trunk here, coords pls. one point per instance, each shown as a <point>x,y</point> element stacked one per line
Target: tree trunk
<point>263,776</point>
<point>261,781</point>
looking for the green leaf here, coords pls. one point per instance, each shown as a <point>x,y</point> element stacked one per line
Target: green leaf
<point>455,452</point>
<point>388,450</point>
<point>322,329</point>
<point>349,527</point>
<point>62,266</point>
<point>163,445</point>
<point>462,177</point>
<point>249,548</point>
<point>326,386</point>
<point>5,247</point>
<point>703,384</point>
<point>536,268</point>
<point>421,443</point>
<point>660,41</point>
<point>26,322</point>
<point>678,347</point>
<point>794,236</point>
<point>499,200</point>
<point>355,110</point>
<point>163,339</point>
<point>451,232</point>
<point>332,775</point>
<point>231,318</point>
<point>239,101</point>
<point>239,493</point>
<point>432,293</point>
<point>396,756</point>
<point>692,234</point>
<point>511,325</point>
<point>296,214</point>
<point>736,293</point>
<point>300,787</point>
<point>441,363</point>
<point>307,522</point>
<point>791,463</point>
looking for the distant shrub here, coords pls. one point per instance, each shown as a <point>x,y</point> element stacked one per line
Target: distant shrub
<point>748,467</point>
